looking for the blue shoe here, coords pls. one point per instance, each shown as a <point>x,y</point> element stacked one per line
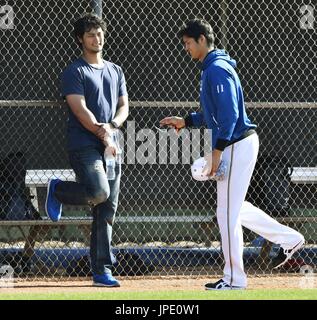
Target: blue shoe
<point>53,207</point>
<point>105,280</point>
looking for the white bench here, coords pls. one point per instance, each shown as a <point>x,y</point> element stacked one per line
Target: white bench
<point>40,178</point>
<point>302,175</point>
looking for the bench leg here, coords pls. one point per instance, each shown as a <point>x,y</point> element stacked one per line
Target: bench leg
<point>34,199</point>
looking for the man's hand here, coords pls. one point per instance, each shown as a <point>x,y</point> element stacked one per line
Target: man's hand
<point>216,158</point>
<point>173,122</point>
<point>112,149</point>
<point>213,160</point>
<point>104,131</point>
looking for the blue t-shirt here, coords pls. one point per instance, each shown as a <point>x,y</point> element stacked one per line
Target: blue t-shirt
<point>101,88</point>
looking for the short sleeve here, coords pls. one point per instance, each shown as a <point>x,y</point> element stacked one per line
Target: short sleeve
<point>122,84</point>
<point>72,82</point>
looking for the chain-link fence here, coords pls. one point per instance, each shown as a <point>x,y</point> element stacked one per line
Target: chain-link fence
<point>166,221</point>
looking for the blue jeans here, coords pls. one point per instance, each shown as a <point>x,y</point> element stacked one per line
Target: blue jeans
<point>93,188</point>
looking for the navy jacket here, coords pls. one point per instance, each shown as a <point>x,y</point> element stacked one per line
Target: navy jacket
<point>221,100</point>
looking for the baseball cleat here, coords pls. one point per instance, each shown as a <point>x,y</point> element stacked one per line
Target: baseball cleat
<point>105,280</point>
<point>284,255</point>
<point>53,207</point>
<point>221,285</point>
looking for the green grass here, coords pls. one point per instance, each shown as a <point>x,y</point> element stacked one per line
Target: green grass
<point>277,294</point>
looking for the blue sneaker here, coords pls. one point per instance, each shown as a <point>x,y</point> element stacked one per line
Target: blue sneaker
<point>53,207</point>
<point>105,280</point>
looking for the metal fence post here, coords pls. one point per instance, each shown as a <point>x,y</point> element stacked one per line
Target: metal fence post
<point>224,27</point>
<point>97,7</point>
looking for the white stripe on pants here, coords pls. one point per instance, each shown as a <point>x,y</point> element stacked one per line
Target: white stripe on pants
<point>233,212</point>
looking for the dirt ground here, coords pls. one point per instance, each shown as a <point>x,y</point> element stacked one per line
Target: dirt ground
<point>147,284</point>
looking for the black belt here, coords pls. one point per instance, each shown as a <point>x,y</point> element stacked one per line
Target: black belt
<point>245,135</point>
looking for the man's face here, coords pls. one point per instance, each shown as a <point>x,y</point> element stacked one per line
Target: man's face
<point>194,48</point>
<point>93,40</point>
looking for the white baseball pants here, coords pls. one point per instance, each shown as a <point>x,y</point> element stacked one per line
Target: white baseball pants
<point>233,212</point>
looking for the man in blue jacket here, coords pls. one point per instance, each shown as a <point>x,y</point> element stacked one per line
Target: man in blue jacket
<point>234,141</point>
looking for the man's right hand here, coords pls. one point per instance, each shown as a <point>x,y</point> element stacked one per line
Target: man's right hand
<point>173,122</point>
<point>104,131</point>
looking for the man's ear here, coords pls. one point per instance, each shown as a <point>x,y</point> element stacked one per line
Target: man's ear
<point>80,40</point>
<point>202,39</point>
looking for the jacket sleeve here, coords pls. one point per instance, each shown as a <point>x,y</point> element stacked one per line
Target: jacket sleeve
<point>224,94</point>
<point>194,119</point>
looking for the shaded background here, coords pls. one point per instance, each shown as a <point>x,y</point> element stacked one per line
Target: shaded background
<point>276,63</point>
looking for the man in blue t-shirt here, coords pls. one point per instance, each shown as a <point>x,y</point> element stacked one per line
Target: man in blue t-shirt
<point>95,91</point>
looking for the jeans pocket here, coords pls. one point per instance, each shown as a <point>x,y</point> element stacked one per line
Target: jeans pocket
<point>85,162</point>
<point>87,155</point>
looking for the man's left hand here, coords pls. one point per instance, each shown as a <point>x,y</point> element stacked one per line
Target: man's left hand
<point>216,158</point>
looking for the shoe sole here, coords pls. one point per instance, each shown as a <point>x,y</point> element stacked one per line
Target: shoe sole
<point>296,248</point>
<point>47,193</point>
<point>223,289</point>
<point>96,284</point>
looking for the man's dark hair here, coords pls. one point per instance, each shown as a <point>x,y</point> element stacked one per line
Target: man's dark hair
<point>86,23</point>
<point>196,27</point>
